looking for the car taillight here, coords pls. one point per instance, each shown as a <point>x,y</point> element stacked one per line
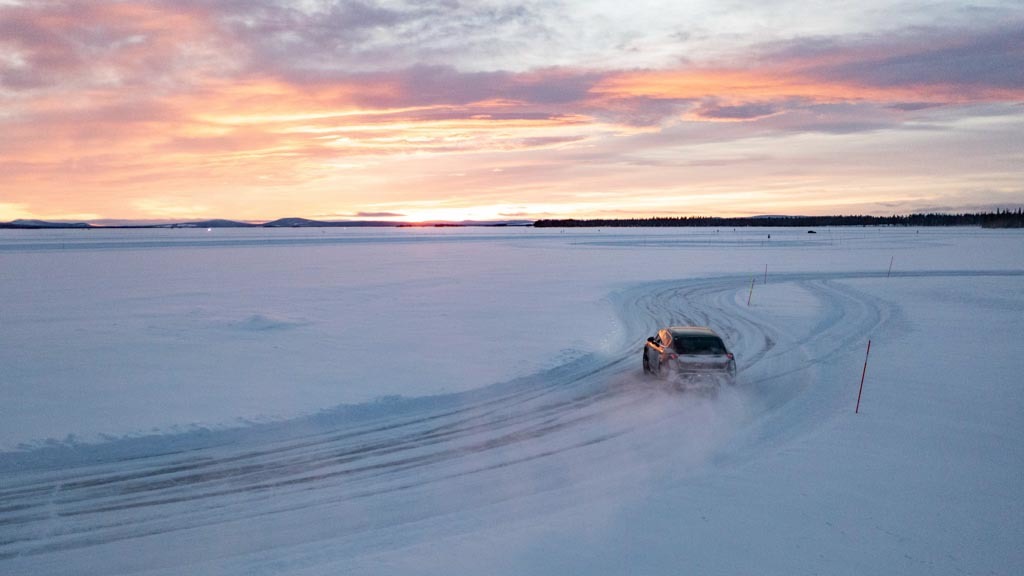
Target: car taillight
<point>729,354</point>
<point>673,356</point>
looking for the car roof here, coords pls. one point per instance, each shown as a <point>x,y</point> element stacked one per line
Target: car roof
<point>691,331</point>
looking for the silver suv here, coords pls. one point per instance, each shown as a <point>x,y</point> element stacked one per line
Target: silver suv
<point>694,354</point>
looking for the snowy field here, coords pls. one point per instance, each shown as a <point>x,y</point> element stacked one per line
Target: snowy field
<point>469,401</point>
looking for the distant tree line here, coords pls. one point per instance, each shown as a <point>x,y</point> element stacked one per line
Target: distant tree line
<point>997,219</point>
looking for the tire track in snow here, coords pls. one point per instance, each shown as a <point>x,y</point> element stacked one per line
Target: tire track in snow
<point>465,437</point>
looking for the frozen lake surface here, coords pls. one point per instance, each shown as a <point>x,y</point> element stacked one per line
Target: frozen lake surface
<point>469,400</point>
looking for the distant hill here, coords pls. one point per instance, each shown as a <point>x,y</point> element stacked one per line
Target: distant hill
<point>279,223</point>
<point>218,223</point>
<point>37,224</point>
<point>996,219</point>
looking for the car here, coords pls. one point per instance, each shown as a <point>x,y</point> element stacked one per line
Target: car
<point>693,355</point>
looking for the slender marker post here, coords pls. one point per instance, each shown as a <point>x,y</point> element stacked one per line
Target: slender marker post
<point>765,273</point>
<point>749,296</point>
<point>889,273</point>
<point>862,374</point>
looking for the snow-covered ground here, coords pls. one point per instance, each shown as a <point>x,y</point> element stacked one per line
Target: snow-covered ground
<point>469,401</point>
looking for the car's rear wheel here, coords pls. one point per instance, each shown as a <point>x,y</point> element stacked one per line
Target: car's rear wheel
<point>647,363</point>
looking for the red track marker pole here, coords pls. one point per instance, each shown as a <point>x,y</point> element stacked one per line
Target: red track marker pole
<point>749,296</point>
<point>862,374</point>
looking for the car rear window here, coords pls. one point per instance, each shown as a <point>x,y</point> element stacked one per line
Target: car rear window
<point>698,345</point>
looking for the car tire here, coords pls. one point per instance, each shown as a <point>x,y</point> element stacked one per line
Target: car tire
<point>647,363</point>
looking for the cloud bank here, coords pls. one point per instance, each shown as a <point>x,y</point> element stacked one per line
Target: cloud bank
<point>244,109</point>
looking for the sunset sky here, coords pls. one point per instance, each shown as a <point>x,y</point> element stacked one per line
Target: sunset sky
<point>452,109</point>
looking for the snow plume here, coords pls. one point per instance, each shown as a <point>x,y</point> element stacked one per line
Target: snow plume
<point>590,457</point>
<point>614,443</point>
<point>676,432</point>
